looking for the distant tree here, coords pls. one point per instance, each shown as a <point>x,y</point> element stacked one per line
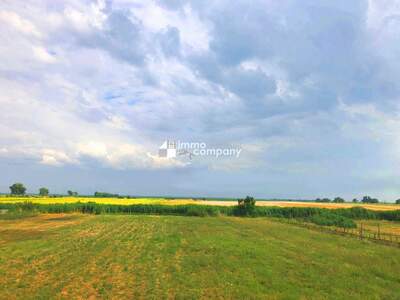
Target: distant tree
<point>246,206</point>
<point>43,191</point>
<point>355,200</point>
<point>323,200</point>
<point>105,195</point>
<point>18,189</point>
<point>398,201</point>
<point>247,202</point>
<point>71,193</point>
<point>368,199</point>
<point>338,200</point>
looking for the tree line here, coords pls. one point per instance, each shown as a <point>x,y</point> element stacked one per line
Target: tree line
<point>365,199</point>
<point>18,189</point>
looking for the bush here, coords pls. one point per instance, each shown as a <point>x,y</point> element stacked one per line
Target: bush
<point>390,215</point>
<point>245,207</point>
<point>357,213</point>
<point>333,220</point>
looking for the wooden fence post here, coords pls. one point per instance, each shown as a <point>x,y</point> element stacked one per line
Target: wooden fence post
<point>379,231</point>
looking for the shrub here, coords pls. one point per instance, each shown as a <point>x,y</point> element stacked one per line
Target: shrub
<point>332,219</point>
<point>245,207</point>
<point>357,213</point>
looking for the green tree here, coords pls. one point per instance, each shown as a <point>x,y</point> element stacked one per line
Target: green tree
<point>18,189</point>
<point>368,199</point>
<point>398,201</point>
<point>246,206</point>
<point>338,200</point>
<point>324,200</point>
<point>247,202</point>
<point>105,195</point>
<point>71,193</point>
<point>43,191</point>
<point>355,200</point>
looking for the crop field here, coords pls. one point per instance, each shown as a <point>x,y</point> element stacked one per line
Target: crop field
<point>69,256</point>
<point>50,200</point>
<point>164,201</point>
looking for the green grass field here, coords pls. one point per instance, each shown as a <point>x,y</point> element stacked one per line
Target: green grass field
<point>123,256</point>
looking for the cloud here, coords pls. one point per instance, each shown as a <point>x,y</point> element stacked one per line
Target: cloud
<point>55,158</point>
<point>42,54</point>
<point>125,156</point>
<point>194,32</point>
<point>93,149</point>
<point>306,88</point>
<point>17,22</point>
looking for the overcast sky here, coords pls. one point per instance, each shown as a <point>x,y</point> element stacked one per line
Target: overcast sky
<point>309,90</point>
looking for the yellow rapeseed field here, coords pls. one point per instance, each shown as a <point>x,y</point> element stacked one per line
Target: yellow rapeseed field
<point>48,200</point>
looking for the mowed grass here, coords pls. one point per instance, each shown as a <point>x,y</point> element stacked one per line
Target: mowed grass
<point>131,257</point>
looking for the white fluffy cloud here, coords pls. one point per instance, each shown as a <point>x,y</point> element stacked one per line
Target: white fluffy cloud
<point>13,20</point>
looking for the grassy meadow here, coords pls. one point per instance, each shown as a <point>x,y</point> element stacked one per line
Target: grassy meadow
<point>70,256</point>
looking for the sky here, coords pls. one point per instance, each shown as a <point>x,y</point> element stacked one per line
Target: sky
<point>308,90</point>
